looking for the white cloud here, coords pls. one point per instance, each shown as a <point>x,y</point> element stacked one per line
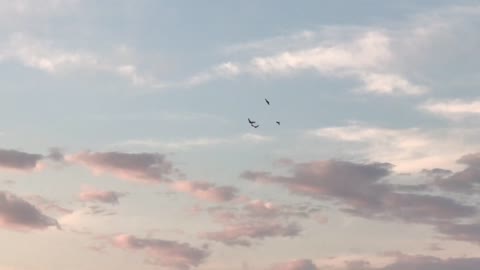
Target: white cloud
<point>225,70</point>
<point>44,56</point>
<point>453,109</point>
<point>410,150</point>
<point>366,56</point>
<point>391,84</point>
<point>396,59</point>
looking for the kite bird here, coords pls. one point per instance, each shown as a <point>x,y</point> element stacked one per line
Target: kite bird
<point>268,102</point>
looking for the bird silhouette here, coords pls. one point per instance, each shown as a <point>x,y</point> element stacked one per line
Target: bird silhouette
<point>268,102</point>
<point>250,121</point>
<point>255,126</point>
<point>278,122</point>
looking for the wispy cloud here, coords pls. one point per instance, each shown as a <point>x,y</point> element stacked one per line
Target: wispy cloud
<point>363,191</point>
<point>90,194</point>
<point>364,57</point>
<point>242,234</point>
<point>197,142</point>
<point>410,149</point>
<point>170,254</point>
<point>453,109</point>
<point>206,191</point>
<point>43,55</point>
<point>143,167</point>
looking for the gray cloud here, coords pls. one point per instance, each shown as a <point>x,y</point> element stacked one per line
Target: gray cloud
<point>143,167</point>
<point>164,253</point>
<point>17,160</point>
<point>103,196</point>
<point>18,214</point>
<point>206,191</point>
<point>301,264</point>
<point>465,181</point>
<point>362,189</point>
<point>420,262</point>
<point>468,232</point>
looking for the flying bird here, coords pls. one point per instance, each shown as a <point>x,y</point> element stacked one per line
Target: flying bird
<point>250,121</point>
<point>268,102</point>
<point>278,122</point>
<point>255,126</point>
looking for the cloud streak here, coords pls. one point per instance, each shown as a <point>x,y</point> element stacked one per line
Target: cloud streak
<point>103,196</point>
<point>142,167</point>
<point>170,254</point>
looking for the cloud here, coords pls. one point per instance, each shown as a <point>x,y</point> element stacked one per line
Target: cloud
<point>468,232</point>
<point>56,154</point>
<point>452,109</point>
<point>18,214</point>
<point>366,56</point>
<point>411,149</point>
<point>44,56</point>
<point>96,210</point>
<point>48,206</point>
<point>143,167</point>
<point>17,160</point>
<point>103,196</point>
<point>164,253</point>
<point>242,234</point>
<point>206,191</point>
<point>269,210</point>
<point>301,264</point>
<point>390,84</point>
<point>362,189</point>
<point>420,262</point>
<point>464,181</point>
<point>188,144</point>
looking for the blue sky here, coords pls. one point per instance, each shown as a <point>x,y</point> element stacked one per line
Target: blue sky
<point>125,142</point>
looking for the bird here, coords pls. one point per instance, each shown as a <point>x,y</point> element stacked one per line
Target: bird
<point>268,102</point>
<point>278,122</point>
<point>250,121</point>
<point>255,126</point>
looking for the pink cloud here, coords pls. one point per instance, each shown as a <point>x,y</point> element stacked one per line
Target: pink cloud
<point>48,206</point>
<point>18,214</point>
<point>143,167</point>
<point>362,190</point>
<point>242,234</point>
<point>206,191</point>
<point>164,253</point>
<point>301,264</point>
<point>94,195</point>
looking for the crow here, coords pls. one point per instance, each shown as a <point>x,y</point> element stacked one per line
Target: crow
<point>268,102</point>
<point>278,122</point>
<point>250,121</point>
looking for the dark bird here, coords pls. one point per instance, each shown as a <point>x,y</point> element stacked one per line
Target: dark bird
<point>250,121</point>
<point>268,102</point>
<point>278,122</point>
<point>255,126</point>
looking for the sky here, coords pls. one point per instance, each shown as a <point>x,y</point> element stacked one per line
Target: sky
<point>125,142</point>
